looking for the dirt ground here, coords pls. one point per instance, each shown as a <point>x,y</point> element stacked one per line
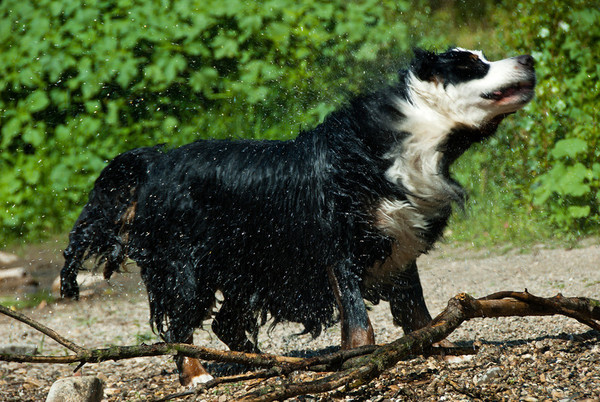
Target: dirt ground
<point>520,359</point>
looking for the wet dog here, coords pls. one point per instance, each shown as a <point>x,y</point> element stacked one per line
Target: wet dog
<point>301,230</point>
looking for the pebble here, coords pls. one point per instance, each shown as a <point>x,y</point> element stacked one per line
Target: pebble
<point>488,376</point>
<point>7,259</point>
<point>76,389</point>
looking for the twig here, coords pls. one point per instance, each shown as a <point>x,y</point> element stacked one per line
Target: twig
<point>357,366</point>
<point>582,309</point>
<point>265,373</point>
<point>460,308</point>
<point>43,329</point>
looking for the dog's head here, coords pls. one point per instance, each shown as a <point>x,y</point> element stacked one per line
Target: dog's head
<point>463,86</point>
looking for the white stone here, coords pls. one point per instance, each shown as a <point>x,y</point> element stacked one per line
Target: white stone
<point>12,273</point>
<point>7,259</point>
<point>76,389</point>
<point>488,376</point>
<point>89,284</point>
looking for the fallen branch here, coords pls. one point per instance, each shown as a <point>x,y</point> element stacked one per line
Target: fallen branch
<point>460,308</point>
<point>348,369</point>
<point>42,328</point>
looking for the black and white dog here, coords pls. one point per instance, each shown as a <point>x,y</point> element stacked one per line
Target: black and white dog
<point>299,230</point>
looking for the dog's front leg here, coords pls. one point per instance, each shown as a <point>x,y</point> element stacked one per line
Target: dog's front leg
<point>356,326</point>
<point>406,300</point>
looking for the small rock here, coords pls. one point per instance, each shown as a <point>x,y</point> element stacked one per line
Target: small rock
<point>7,259</point>
<point>16,349</point>
<point>527,356</point>
<point>112,391</point>
<point>8,274</point>
<point>458,359</point>
<point>16,278</point>
<point>76,389</point>
<point>103,377</point>
<point>488,377</point>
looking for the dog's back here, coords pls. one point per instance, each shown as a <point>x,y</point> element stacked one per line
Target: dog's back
<point>241,217</point>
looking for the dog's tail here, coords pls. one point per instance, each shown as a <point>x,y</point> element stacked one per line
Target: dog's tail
<point>102,229</point>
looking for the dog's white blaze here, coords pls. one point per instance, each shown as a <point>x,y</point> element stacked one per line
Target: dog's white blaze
<point>479,53</point>
<point>415,162</point>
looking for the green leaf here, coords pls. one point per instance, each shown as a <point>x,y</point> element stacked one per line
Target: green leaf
<point>569,148</point>
<point>573,182</point>
<point>34,136</point>
<point>37,101</point>
<point>128,70</point>
<point>224,47</point>
<point>250,22</point>
<point>204,79</point>
<point>10,130</point>
<point>596,170</point>
<point>578,212</point>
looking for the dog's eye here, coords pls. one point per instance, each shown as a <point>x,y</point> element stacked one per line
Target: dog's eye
<point>471,61</point>
<point>465,66</point>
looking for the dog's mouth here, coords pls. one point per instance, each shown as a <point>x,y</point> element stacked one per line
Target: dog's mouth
<point>522,90</point>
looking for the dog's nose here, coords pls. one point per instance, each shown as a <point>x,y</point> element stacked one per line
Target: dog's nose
<point>526,60</point>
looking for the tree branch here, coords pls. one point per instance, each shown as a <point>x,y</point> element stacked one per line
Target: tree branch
<point>351,368</point>
<point>460,308</point>
<point>42,328</point>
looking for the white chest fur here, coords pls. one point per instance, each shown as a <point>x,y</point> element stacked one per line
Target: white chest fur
<point>416,167</point>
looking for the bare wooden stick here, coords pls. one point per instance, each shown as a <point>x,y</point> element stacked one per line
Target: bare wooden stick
<point>42,328</point>
<point>357,366</point>
<point>265,373</point>
<point>460,308</point>
<point>582,309</point>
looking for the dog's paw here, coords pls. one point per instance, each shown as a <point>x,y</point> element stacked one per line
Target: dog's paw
<point>200,380</point>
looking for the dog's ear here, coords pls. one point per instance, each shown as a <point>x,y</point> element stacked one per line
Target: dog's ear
<point>423,64</point>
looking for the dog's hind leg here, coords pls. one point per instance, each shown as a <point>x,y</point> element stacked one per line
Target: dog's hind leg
<point>68,275</point>
<point>81,239</point>
<point>191,371</point>
<point>356,326</point>
<point>406,301</point>
<point>231,324</point>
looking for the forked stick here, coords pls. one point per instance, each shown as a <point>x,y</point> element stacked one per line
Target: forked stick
<point>348,369</point>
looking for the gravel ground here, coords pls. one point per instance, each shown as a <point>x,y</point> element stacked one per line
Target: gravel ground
<point>526,359</point>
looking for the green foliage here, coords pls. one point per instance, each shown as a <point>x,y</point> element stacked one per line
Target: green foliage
<point>561,131</point>
<point>542,169</point>
<point>82,82</point>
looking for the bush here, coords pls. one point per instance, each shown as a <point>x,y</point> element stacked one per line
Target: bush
<point>82,82</point>
<point>562,131</point>
<point>546,159</point>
